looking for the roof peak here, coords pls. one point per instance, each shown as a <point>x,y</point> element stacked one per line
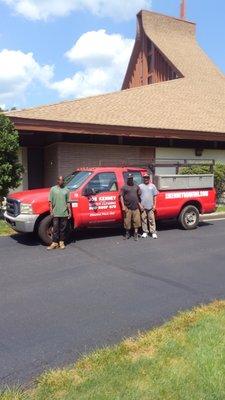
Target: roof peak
<point>154,13</point>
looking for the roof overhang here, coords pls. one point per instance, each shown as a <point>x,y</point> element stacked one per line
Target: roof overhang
<point>192,107</point>
<point>45,126</point>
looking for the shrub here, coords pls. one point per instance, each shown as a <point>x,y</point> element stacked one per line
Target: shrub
<point>219,175</point>
<point>10,167</point>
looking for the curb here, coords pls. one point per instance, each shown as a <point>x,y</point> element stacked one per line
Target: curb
<point>215,215</point>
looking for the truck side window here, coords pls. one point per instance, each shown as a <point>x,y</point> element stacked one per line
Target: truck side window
<point>103,182</point>
<point>136,174</point>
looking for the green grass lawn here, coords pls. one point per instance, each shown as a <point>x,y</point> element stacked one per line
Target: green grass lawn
<point>5,229</point>
<point>182,360</point>
<point>221,208</point>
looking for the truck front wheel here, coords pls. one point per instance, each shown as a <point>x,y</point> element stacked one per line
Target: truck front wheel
<point>45,230</point>
<point>189,217</point>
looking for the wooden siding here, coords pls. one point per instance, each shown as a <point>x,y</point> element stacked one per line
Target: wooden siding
<point>147,63</point>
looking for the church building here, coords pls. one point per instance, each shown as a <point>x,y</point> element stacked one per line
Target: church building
<point>171,105</point>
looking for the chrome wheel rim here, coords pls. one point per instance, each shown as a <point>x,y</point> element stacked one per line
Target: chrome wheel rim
<point>190,218</point>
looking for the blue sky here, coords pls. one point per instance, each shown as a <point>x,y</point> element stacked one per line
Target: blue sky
<point>51,50</point>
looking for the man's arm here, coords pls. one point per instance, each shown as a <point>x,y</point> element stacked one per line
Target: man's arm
<point>154,202</point>
<point>155,194</point>
<point>51,208</point>
<point>50,202</point>
<point>68,205</point>
<point>122,203</point>
<point>139,198</point>
<point>121,199</point>
<point>140,206</point>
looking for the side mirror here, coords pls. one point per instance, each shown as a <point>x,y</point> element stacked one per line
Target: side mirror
<point>88,191</point>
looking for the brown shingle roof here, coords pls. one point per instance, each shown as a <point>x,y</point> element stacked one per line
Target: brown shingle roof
<point>195,102</point>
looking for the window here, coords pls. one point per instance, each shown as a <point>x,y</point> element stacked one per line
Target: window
<point>75,180</point>
<point>136,174</point>
<point>103,182</point>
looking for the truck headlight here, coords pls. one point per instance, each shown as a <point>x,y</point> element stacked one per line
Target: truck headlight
<point>26,208</point>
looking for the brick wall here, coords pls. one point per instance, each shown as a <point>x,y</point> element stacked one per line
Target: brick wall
<point>72,155</point>
<point>63,158</point>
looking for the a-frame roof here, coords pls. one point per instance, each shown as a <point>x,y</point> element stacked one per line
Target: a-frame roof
<point>195,102</point>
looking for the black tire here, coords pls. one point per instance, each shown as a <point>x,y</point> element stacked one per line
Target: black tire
<point>45,230</point>
<point>189,217</point>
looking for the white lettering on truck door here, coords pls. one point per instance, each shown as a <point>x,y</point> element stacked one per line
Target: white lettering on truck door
<point>186,195</point>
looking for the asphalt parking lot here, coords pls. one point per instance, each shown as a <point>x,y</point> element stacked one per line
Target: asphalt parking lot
<point>56,306</point>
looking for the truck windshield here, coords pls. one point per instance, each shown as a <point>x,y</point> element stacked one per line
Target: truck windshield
<point>76,179</point>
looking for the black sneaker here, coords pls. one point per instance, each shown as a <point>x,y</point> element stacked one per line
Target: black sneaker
<point>127,235</point>
<point>136,237</point>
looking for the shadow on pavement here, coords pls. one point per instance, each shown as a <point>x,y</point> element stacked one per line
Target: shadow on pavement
<point>28,239</point>
<point>96,233</point>
<point>168,225</point>
<point>203,224</point>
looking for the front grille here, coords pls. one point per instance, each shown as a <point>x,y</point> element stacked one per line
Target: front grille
<point>12,207</point>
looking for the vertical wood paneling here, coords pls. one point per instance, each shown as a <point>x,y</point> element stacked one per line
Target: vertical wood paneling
<point>142,71</point>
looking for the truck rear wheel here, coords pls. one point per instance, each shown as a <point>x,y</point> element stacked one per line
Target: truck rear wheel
<point>45,230</point>
<point>189,217</point>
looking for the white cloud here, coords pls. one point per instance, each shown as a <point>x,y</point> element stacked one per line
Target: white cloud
<point>83,83</point>
<point>44,9</point>
<point>18,71</point>
<point>100,48</point>
<point>103,59</point>
<point>100,58</point>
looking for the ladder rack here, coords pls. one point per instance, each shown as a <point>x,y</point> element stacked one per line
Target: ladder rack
<point>153,163</point>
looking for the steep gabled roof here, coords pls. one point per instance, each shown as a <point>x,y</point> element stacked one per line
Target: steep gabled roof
<point>195,102</point>
<point>177,41</point>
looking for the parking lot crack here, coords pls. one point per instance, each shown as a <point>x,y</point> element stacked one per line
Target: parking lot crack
<point>133,270</point>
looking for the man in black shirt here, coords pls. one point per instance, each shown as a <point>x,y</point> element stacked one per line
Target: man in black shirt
<point>130,201</point>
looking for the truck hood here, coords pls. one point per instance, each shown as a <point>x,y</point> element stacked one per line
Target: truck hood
<point>31,196</point>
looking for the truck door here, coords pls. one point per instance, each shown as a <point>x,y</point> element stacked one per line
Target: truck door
<point>100,200</point>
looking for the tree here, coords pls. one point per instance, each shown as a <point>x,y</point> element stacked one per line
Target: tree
<point>10,168</point>
<point>219,175</point>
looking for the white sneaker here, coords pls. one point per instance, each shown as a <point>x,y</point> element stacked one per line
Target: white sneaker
<point>144,235</point>
<point>154,236</point>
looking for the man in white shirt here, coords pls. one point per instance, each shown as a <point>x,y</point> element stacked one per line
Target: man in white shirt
<point>148,206</point>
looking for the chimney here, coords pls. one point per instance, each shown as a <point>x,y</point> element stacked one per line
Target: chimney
<point>183,9</point>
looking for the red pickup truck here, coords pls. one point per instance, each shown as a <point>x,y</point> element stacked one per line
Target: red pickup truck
<point>94,199</point>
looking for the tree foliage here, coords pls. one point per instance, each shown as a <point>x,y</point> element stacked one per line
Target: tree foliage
<point>219,175</point>
<point>10,167</point>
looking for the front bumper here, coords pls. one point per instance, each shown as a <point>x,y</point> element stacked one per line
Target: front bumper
<point>22,223</point>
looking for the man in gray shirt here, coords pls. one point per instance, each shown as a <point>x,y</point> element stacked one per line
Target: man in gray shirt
<point>148,206</point>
